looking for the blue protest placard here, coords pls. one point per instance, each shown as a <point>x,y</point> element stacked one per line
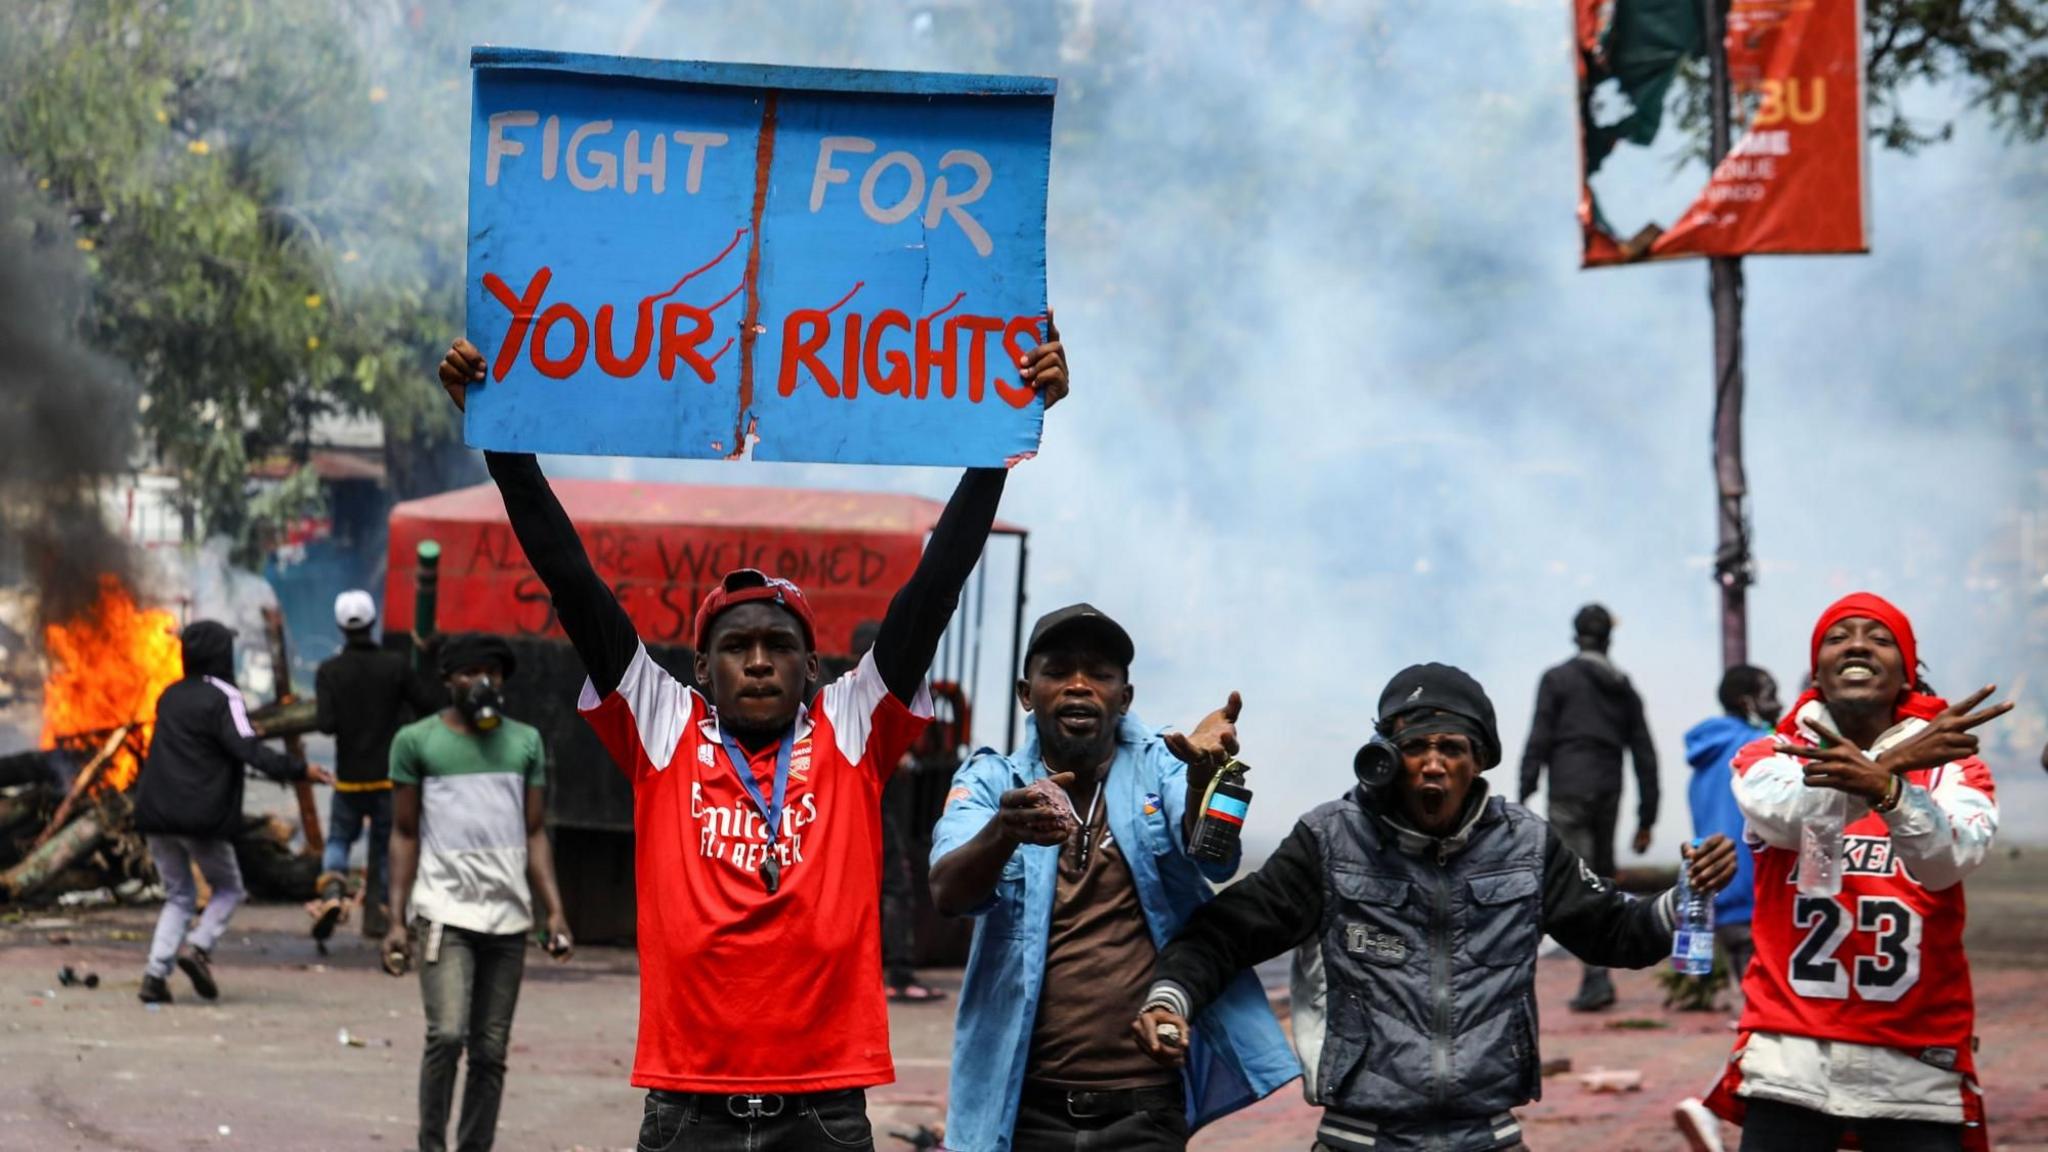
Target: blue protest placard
<point>669,258</point>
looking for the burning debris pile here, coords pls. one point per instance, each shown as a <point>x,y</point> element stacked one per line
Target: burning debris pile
<point>66,820</point>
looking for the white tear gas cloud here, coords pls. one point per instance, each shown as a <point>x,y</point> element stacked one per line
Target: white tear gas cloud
<point>1345,402</point>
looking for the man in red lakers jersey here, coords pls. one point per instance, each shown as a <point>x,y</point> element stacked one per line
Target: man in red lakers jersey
<point>1857,1012</point>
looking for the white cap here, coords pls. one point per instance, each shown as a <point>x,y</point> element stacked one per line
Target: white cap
<point>354,609</point>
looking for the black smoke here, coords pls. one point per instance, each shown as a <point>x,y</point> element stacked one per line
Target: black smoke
<point>67,416</point>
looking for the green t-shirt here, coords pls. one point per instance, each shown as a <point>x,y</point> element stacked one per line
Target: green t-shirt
<point>472,869</point>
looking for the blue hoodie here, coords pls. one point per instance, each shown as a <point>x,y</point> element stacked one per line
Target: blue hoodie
<point>1711,746</point>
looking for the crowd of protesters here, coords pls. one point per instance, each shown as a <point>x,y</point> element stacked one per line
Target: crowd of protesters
<point>1108,1000</point>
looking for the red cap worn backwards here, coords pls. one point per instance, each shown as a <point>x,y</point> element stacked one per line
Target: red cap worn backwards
<point>745,586</point>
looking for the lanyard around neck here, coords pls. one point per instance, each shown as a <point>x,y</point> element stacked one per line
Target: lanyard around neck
<point>771,808</point>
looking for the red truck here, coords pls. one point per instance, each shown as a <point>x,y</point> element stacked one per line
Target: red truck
<point>661,547</point>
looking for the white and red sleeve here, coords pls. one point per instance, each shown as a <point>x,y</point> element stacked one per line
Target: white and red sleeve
<point>641,721</point>
<point>1942,830</point>
<point>1771,790</point>
<point>868,721</point>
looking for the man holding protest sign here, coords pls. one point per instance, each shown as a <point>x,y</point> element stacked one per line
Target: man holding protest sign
<point>757,817</point>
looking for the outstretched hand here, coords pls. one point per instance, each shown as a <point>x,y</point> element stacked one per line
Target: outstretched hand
<point>1026,817</point>
<point>463,366</point>
<point>1214,740</point>
<point>1711,865</point>
<point>1044,368</point>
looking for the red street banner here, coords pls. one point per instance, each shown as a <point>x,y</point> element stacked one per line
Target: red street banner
<point>1793,179</point>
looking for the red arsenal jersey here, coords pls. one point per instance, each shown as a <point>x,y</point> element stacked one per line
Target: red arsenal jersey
<point>1880,963</point>
<point>741,990</point>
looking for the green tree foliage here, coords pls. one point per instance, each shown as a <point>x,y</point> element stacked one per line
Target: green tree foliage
<point>1994,51</point>
<point>256,258</point>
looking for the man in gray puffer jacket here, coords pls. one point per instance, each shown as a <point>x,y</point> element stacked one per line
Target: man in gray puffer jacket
<point>1416,903</point>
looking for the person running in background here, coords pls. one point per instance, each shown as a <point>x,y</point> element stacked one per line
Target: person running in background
<point>188,805</point>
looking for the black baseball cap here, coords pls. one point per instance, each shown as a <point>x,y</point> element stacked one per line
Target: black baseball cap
<point>1082,619</point>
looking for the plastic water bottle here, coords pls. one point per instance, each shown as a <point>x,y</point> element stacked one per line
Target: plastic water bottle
<point>1692,936</point>
<point>1820,847</point>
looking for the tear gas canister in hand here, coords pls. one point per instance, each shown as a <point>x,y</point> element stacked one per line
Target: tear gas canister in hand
<point>1224,807</point>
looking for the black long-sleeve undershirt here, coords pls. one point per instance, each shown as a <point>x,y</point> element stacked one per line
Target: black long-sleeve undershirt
<point>603,634</point>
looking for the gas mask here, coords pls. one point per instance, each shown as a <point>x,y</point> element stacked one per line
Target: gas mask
<point>480,704</point>
<point>1376,763</point>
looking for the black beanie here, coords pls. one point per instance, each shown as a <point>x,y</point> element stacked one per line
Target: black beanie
<point>465,649</point>
<point>1442,688</point>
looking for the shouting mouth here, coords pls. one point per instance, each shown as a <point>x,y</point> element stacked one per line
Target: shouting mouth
<point>1078,720</point>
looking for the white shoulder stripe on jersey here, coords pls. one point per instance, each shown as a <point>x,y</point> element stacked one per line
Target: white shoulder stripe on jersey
<point>850,704</point>
<point>660,705</point>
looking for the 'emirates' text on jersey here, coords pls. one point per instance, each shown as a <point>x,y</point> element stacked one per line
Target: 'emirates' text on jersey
<point>740,989</point>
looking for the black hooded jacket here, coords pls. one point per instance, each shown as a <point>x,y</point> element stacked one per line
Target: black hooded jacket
<point>191,784</point>
<point>1587,715</point>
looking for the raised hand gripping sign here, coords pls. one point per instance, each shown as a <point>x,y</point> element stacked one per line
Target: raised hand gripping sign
<point>669,258</point>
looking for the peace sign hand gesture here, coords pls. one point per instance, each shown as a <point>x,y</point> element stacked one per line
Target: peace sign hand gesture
<point>1843,766</point>
<point>1947,737</point>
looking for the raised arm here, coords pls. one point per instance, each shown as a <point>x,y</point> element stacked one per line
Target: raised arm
<point>917,616</point>
<point>597,626</point>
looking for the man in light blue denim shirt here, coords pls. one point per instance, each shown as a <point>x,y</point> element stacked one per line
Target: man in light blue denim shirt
<point>1072,854</point>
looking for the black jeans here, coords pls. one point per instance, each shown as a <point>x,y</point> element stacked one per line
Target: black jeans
<point>1772,1126</point>
<point>470,989</point>
<point>1043,1126</point>
<point>818,1122</point>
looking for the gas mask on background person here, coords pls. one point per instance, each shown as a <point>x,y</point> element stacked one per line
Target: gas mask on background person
<point>480,704</point>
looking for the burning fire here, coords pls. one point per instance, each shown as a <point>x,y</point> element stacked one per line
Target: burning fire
<point>107,667</point>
